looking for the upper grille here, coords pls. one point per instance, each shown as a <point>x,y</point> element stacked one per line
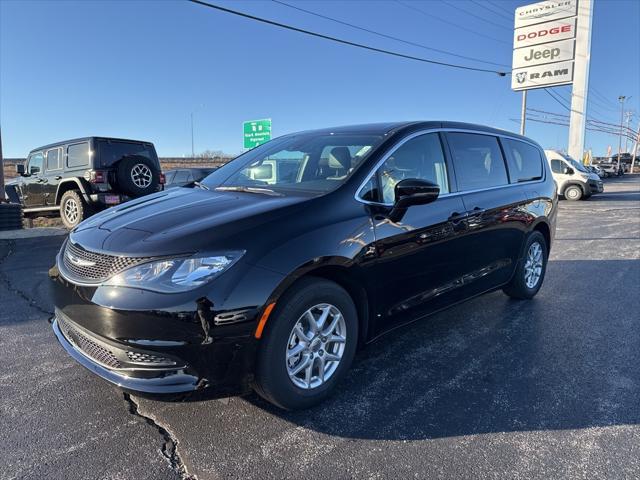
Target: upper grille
<point>94,267</point>
<point>90,348</point>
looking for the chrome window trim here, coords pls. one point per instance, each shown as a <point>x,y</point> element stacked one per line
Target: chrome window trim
<point>380,162</point>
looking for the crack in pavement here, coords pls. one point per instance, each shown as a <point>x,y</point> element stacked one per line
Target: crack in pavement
<point>5,279</point>
<point>169,448</point>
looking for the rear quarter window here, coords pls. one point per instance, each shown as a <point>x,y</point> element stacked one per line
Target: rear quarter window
<point>477,160</point>
<point>525,161</point>
<point>78,155</point>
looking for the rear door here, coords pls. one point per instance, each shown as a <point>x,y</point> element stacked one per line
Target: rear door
<point>32,191</point>
<point>52,175</point>
<point>493,207</point>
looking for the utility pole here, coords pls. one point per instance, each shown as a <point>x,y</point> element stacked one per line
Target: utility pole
<point>2,196</point>
<point>635,149</point>
<point>629,115</point>
<point>577,122</point>
<point>621,98</point>
<point>193,154</point>
<point>523,120</point>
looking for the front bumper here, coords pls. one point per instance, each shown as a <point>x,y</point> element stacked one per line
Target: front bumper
<point>153,380</point>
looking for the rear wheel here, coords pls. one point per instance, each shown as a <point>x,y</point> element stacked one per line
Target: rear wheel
<point>573,193</point>
<point>73,210</point>
<point>529,274</point>
<point>309,345</point>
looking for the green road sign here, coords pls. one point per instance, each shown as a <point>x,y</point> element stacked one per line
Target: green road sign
<point>256,132</point>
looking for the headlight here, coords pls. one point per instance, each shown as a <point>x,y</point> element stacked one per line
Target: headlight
<point>175,274</point>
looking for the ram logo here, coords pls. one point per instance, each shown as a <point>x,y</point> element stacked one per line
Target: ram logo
<point>521,77</point>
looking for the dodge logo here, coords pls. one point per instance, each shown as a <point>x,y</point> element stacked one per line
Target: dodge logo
<point>521,77</point>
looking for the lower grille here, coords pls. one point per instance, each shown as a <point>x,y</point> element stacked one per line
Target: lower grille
<point>149,359</point>
<point>90,348</point>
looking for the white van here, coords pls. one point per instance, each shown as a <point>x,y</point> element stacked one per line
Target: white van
<point>574,181</point>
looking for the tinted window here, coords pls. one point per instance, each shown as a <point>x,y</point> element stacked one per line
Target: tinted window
<point>112,151</point>
<point>78,155</point>
<point>421,157</point>
<point>35,163</point>
<point>525,162</point>
<point>478,161</point>
<point>53,159</point>
<point>557,166</point>
<point>181,176</point>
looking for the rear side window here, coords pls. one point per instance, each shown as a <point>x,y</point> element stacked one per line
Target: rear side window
<point>54,160</point>
<point>477,160</point>
<point>525,162</point>
<point>78,155</point>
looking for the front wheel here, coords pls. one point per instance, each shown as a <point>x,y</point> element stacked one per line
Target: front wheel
<point>573,193</point>
<point>529,274</point>
<point>309,345</point>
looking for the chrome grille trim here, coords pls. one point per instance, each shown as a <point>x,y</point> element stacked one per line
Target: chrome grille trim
<point>91,267</point>
<point>91,349</point>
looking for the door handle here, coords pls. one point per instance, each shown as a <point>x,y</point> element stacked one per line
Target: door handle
<point>57,177</point>
<point>477,211</point>
<point>456,216</point>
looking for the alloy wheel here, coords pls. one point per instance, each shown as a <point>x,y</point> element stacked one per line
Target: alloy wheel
<point>533,265</point>
<point>316,346</point>
<point>71,210</point>
<point>141,175</point>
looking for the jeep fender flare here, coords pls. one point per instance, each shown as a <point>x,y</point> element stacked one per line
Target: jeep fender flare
<point>77,184</point>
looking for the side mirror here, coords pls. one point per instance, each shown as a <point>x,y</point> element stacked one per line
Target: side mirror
<point>568,171</point>
<point>262,172</point>
<point>20,169</point>
<point>412,191</point>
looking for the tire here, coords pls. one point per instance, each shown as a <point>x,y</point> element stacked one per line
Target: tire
<point>519,287</point>
<point>137,176</point>
<point>71,202</point>
<point>273,381</point>
<point>573,193</point>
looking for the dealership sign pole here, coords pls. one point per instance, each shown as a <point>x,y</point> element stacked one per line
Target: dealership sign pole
<point>547,37</point>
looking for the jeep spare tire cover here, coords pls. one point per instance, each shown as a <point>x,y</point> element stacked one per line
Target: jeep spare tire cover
<point>137,175</point>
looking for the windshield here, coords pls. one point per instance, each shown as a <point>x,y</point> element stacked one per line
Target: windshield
<point>575,164</point>
<point>316,163</point>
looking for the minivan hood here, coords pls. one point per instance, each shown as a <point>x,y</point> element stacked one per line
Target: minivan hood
<point>177,221</point>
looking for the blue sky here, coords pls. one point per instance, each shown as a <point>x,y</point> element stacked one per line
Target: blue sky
<point>139,68</point>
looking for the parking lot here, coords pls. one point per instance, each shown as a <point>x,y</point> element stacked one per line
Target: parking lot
<point>493,388</point>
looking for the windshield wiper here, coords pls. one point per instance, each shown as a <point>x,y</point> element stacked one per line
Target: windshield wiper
<point>201,185</point>
<point>238,188</point>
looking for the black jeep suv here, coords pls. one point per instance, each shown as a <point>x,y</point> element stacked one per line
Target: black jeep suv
<point>80,177</point>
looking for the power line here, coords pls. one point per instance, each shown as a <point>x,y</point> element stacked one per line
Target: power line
<point>430,15</point>
<point>494,4</point>
<point>344,42</point>
<point>384,35</point>
<point>460,9</point>
<point>495,12</point>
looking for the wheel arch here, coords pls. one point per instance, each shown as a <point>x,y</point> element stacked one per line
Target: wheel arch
<point>70,184</point>
<point>335,270</point>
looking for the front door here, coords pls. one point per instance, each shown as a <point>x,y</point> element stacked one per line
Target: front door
<point>420,258</point>
<point>31,186</point>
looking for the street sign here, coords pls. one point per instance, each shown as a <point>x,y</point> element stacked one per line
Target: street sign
<point>551,74</point>
<point>256,132</point>
<point>546,53</point>
<point>545,12</point>
<point>544,32</point>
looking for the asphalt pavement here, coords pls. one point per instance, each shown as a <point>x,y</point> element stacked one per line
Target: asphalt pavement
<point>493,388</point>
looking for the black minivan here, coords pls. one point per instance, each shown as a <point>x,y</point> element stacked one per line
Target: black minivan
<point>272,271</point>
